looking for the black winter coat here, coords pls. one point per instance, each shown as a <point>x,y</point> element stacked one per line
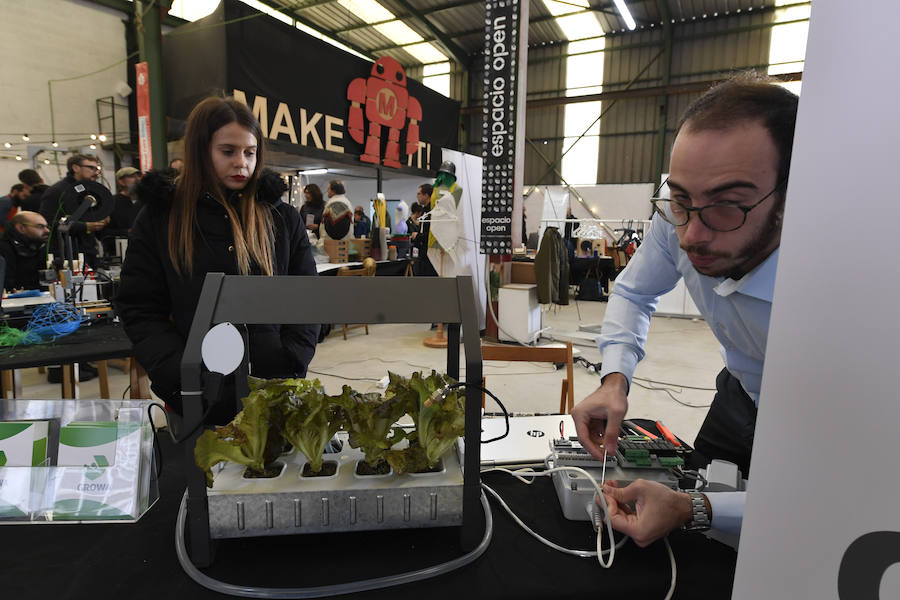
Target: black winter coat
<point>83,241</point>
<point>157,306</point>
<point>24,258</point>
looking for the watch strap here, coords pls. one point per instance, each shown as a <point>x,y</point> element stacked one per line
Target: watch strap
<point>700,517</point>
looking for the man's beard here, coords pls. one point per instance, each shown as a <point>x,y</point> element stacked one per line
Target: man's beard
<point>756,246</point>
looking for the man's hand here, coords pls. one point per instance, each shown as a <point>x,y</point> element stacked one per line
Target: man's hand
<point>601,413</point>
<point>93,226</point>
<point>657,510</point>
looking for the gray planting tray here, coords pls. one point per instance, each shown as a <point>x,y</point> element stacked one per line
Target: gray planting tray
<point>291,504</point>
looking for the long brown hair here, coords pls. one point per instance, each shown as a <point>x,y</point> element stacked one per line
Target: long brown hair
<point>253,231</point>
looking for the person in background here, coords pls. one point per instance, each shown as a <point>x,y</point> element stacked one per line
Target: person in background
<point>125,210</point>
<point>421,265</point>
<point>177,164</point>
<point>30,178</point>
<point>568,230</point>
<point>24,249</point>
<point>720,231</point>
<point>222,214</point>
<point>80,167</point>
<point>23,246</point>
<point>586,249</point>
<point>10,203</point>
<point>412,223</point>
<point>361,223</point>
<point>34,187</point>
<point>311,211</point>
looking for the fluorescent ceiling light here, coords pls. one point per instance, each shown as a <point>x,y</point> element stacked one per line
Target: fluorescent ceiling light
<point>626,14</point>
<point>313,172</point>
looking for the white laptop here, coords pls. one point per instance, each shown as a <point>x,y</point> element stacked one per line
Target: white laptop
<point>528,442</point>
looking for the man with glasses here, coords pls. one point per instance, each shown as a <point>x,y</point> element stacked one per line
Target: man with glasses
<point>719,230</point>
<point>23,247</point>
<point>81,167</point>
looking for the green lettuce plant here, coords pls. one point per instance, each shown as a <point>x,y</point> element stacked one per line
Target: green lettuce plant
<point>311,420</point>
<point>439,418</point>
<point>370,422</point>
<point>243,441</point>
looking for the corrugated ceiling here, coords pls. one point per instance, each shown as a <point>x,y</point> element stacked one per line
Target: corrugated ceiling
<point>461,21</point>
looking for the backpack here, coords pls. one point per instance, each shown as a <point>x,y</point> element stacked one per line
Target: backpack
<point>590,287</point>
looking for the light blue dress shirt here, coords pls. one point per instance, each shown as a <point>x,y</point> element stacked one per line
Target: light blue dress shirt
<point>737,311</point>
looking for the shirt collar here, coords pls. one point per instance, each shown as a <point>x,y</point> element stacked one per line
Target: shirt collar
<point>758,283</point>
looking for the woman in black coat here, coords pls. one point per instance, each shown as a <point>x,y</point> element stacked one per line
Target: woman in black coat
<point>222,214</point>
<point>311,211</point>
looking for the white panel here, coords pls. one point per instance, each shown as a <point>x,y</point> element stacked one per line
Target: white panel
<point>825,455</point>
<point>468,175</point>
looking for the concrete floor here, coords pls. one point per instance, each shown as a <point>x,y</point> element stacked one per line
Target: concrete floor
<point>679,351</point>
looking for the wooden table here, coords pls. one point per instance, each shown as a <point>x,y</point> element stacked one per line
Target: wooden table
<point>90,343</point>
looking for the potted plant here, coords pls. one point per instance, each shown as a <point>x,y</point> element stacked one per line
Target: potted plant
<point>439,417</point>
<point>246,440</point>
<point>311,420</point>
<point>370,427</point>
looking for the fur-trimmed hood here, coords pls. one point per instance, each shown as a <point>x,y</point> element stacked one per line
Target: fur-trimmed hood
<point>157,187</point>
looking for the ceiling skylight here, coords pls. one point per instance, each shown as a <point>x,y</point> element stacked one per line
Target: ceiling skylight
<point>395,30</point>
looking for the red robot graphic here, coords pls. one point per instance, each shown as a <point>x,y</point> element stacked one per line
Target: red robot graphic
<point>388,104</point>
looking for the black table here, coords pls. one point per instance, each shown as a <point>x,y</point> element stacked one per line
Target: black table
<point>99,342</point>
<point>138,561</point>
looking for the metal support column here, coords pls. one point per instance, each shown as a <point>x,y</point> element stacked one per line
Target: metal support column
<point>149,19</point>
<point>663,114</point>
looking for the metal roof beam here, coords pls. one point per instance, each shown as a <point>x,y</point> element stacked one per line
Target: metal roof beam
<point>304,6</point>
<point>128,8</point>
<point>442,40</point>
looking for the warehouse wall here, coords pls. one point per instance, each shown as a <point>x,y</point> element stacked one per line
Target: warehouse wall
<point>42,40</point>
<point>702,50</point>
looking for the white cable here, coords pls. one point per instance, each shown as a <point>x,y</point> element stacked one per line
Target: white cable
<point>674,569</point>
<point>323,590</point>
<point>528,472</point>
<point>545,541</point>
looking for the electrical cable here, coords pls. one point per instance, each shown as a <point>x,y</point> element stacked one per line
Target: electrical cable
<point>342,376</point>
<point>522,474</point>
<point>671,395</point>
<point>546,542</point>
<point>678,385</point>
<point>175,439</point>
<point>325,590</point>
<point>672,387</point>
<point>463,384</point>
<point>529,472</point>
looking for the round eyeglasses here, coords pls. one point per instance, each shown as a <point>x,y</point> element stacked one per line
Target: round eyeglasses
<point>722,216</point>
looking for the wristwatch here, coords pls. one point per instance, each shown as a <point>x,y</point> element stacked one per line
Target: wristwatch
<point>700,517</point>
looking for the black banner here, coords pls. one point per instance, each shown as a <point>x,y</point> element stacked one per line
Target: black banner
<point>299,88</point>
<point>499,130</point>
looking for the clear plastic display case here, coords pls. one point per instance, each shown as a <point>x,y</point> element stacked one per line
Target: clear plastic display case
<point>70,461</point>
